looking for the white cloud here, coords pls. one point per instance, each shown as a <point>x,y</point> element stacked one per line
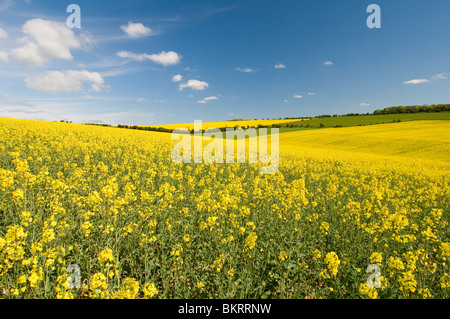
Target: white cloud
<point>416,81</point>
<point>65,81</point>
<point>207,99</point>
<point>246,70</point>
<point>30,55</point>
<point>298,96</point>
<point>3,34</point>
<point>440,76</point>
<point>130,55</point>
<point>177,78</point>
<point>4,56</point>
<point>279,66</point>
<point>141,99</point>
<point>328,63</point>
<point>194,85</point>
<point>163,58</point>
<point>285,101</point>
<point>45,40</point>
<point>136,30</point>
<point>311,93</point>
<point>364,104</point>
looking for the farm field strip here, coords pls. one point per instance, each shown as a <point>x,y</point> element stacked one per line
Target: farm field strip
<point>140,226</point>
<point>346,121</point>
<point>229,124</point>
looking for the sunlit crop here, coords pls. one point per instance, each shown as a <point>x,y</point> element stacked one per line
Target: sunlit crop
<point>228,124</point>
<point>112,202</point>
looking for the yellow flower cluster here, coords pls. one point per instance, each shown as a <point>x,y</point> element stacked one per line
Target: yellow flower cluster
<point>150,290</point>
<point>332,261</point>
<point>128,290</point>
<point>376,258</point>
<point>250,242</point>
<point>282,256</point>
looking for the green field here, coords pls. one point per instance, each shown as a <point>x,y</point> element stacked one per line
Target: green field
<point>347,121</point>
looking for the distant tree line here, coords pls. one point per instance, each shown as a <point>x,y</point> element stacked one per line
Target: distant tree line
<point>297,118</point>
<point>398,110</point>
<point>146,128</point>
<point>414,109</point>
<point>97,124</point>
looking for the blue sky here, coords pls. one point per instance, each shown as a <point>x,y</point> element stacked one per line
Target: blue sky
<point>163,61</point>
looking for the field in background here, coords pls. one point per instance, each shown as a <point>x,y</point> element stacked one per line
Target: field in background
<point>292,125</point>
<point>229,124</point>
<point>140,226</point>
<point>359,120</point>
<point>424,140</point>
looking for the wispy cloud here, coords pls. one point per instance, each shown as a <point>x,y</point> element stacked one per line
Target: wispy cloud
<point>298,96</point>
<point>4,56</point>
<point>65,81</point>
<point>436,77</point>
<point>11,102</point>
<point>5,4</point>
<point>207,99</point>
<point>209,11</point>
<point>163,58</point>
<point>440,76</point>
<point>416,81</point>
<point>118,71</point>
<point>22,111</point>
<point>279,66</point>
<point>246,70</point>
<point>364,104</point>
<point>109,66</point>
<point>328,63</point>
<point>3,34</point>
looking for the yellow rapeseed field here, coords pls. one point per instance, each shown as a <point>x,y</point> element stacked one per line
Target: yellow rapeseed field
<point>111,203</point>
<point>414,140</point>
<point>229,124</point>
